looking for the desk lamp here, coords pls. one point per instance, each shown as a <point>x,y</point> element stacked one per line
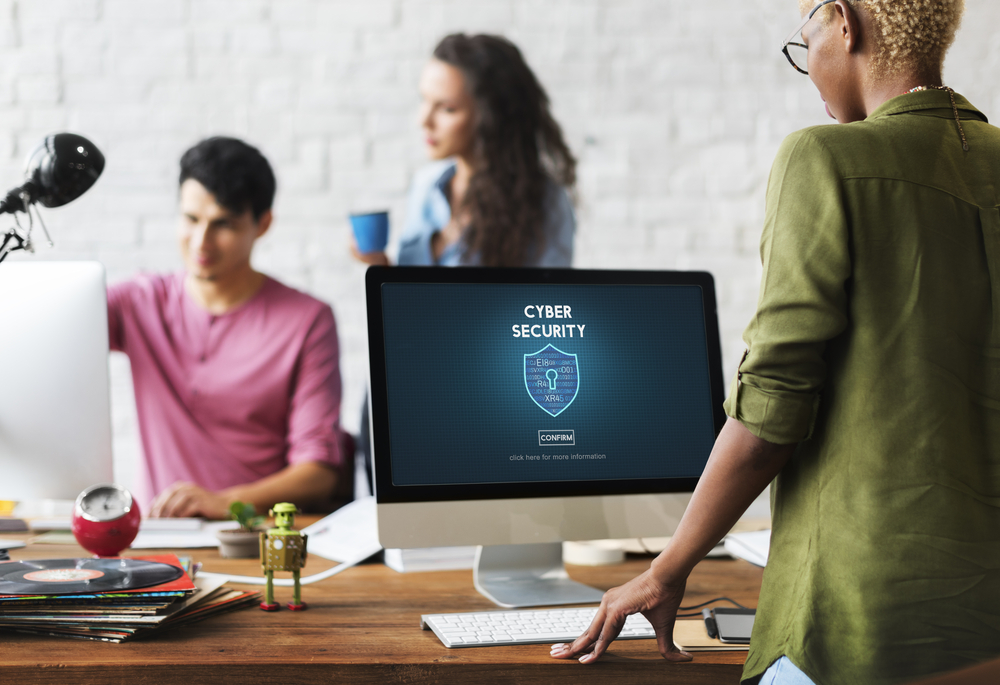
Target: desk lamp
<point>59,170</point>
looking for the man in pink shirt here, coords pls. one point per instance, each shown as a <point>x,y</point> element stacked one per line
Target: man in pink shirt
<point>237,379</point>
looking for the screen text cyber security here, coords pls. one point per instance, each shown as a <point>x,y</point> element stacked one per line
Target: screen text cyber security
<point>550,330</point>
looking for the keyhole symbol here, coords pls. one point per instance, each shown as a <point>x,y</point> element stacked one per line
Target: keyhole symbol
<point>552,375</point>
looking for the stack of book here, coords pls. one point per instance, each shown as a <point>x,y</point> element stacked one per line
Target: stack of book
<point>111,600</point>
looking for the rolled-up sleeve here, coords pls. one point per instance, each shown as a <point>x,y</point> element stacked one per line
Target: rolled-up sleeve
<point>314,415</point>
<point>805,250</point>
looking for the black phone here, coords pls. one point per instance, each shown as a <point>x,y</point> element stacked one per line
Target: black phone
<point>734,625</point>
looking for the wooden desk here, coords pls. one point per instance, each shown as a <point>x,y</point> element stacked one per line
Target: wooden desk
<point>362,626</point>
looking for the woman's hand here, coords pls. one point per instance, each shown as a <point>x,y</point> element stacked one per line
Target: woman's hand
<point>644,595</point>
<point>739,468</point>
<point>369,258</point>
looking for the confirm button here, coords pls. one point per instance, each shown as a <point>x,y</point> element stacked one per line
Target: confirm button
<point>556,437</point>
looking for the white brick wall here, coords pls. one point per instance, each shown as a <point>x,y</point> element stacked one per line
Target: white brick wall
<point>675,110</point>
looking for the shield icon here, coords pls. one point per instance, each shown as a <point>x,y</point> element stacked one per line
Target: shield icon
<point>552,378</point>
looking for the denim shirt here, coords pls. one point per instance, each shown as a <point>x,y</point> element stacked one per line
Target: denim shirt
<point>428,211</point>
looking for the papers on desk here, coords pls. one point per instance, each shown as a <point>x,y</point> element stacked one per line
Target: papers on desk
<point>10,544</point>
<point>166,533</point>
<point>171,525</point>
<point>154,533</point>
<point>752,547</point>
<point>186,534</point>
<point>41,525</point>
<point>348,535</point>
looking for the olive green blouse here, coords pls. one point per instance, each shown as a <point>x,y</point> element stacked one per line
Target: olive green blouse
<point>876,347</point>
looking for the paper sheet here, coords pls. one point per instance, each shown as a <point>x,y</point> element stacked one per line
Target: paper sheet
<point>347,533</point>
<point>163,537</point>
<point>752,546</point>
<point>171,525</point>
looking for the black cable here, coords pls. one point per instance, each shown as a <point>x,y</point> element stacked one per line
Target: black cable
<point>717,599</point>
<point>711,601</point>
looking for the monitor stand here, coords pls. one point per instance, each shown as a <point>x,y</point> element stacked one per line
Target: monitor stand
<point>514,576</point>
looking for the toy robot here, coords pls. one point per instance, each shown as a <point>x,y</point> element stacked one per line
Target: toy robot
<point>282,549</point>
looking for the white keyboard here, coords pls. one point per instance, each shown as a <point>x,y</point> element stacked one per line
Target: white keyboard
<point>538,626</point>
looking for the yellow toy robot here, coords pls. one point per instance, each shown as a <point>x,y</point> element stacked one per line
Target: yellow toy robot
<point>282,549</point>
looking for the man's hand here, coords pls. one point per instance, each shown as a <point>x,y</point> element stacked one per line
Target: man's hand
<point>299,483</point>
<point>187,499</point>
<point>644,594</point>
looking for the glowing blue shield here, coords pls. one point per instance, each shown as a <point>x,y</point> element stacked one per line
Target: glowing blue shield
<point>552,378</point>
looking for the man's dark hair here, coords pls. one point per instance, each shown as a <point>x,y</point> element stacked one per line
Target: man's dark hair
<point>237,174</point>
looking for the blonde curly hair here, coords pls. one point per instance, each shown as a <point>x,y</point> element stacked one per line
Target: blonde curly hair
<point>912,33</point>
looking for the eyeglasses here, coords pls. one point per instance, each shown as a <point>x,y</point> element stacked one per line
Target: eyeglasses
<point>798,53</point>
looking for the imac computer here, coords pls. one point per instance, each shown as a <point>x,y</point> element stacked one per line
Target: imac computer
<point>55,418</point>
<point>515,409</point>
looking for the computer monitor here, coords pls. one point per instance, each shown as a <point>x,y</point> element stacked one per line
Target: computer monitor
<point>55,419</point>
<point>519,408</point>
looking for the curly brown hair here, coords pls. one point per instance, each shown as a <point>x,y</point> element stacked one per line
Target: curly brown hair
<point>518,147</point>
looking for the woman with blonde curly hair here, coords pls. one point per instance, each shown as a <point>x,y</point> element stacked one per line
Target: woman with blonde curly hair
<point>870,389</point>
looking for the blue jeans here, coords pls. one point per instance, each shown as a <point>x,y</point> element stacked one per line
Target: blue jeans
<point>784,672</point>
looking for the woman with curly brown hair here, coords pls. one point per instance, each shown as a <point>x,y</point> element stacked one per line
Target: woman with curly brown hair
<point>497,193</point>
<point>870,389</point>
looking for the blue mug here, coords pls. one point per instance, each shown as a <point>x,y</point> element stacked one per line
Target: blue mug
<point>371,231</point>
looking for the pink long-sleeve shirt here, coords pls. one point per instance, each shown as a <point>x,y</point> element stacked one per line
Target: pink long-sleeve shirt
<point>227,400</point>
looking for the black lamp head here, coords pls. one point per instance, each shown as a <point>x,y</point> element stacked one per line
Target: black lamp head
<point>62,168</point>
<point>59,170</point>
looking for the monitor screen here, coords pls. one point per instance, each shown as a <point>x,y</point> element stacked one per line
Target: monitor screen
<point>55,417</point>
<point>535,383</point>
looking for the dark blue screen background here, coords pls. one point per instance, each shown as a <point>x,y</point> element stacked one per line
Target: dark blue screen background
<point>459,411</point>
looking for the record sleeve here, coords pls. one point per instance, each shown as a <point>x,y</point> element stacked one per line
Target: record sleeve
<point>56,577</point>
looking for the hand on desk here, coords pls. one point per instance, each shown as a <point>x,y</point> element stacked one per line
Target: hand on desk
<point>187,499</point>
<point>300,483</point>
<point>739,468</point>
<point>643,594</point>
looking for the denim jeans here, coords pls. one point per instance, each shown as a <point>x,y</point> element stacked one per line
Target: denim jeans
<point>784,672</point>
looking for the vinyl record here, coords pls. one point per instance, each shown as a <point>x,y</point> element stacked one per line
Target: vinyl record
<point>82,576</point>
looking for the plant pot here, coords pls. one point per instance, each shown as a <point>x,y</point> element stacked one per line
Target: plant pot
<point>239,544</point>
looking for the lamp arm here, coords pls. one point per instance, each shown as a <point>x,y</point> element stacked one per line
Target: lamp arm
<point>19,199</point>
<point>11,236</point>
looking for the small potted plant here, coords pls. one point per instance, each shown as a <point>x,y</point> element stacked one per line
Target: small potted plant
<point>243,542</point>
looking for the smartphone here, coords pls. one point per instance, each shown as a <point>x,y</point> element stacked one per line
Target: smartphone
<point>734,625</point>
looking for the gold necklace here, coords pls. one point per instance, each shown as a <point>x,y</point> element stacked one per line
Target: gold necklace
<point>954,108</point>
